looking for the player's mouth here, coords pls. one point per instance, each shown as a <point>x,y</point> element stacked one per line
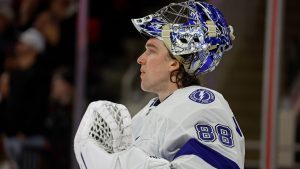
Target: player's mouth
<point>142,73</point>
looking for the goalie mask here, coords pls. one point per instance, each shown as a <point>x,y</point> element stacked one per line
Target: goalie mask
<point>196,34</point>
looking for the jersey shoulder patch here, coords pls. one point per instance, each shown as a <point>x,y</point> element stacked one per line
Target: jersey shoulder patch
<point>202,96</point>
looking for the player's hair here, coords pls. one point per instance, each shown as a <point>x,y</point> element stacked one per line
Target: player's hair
<point>182,78</point>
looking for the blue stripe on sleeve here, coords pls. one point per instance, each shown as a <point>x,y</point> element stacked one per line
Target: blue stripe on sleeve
<point>210,156</point>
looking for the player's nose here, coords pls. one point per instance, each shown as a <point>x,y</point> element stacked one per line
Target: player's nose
<point>141,59</point>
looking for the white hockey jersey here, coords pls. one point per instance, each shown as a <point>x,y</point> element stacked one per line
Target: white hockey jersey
<point>194,128</point>
<point>192,121</point>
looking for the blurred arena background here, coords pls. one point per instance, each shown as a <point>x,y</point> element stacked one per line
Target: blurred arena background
<point>56,56</point>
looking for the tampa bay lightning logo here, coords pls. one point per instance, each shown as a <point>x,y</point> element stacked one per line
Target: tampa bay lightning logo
<point>202,96</point>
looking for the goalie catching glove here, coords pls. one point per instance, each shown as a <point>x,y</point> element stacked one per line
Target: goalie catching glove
<point>105,125</point>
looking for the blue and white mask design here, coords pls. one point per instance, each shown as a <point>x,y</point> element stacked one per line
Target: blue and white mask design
<point>196,33</point>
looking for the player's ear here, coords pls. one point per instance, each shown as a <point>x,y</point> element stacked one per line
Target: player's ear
<point>174,65</point>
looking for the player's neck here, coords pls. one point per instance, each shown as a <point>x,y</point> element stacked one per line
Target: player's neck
<point>167,92</point>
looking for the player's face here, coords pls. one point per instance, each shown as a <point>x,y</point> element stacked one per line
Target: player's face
<point>156,67</point>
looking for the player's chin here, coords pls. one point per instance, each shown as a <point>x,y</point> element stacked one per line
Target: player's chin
<point>145,87</point>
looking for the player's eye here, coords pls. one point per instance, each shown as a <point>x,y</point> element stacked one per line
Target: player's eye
<point>147,52</point>
<point>150,50</point>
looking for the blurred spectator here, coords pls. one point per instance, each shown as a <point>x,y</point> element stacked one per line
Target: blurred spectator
<point>5,161</point>
<point>27,11</point>
<point>4,91</point>
<point>28,86</point>
<point>59,118</point>
<point>293,60</point>
<point>6,32</point>
<point>4,86</point>
<point>45,43</point>
<point>48,25</point>
<point>57,24</point>
<point>64,12</point>
<point>292,84</point>
<point>6,17</point>
<point>62,9</point>
<point>28,93</point>
<point>31,44</point>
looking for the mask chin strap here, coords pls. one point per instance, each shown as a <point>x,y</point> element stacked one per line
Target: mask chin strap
<point>211,32</point>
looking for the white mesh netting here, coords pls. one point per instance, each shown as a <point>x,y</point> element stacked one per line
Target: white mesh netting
<point>110,128</point>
